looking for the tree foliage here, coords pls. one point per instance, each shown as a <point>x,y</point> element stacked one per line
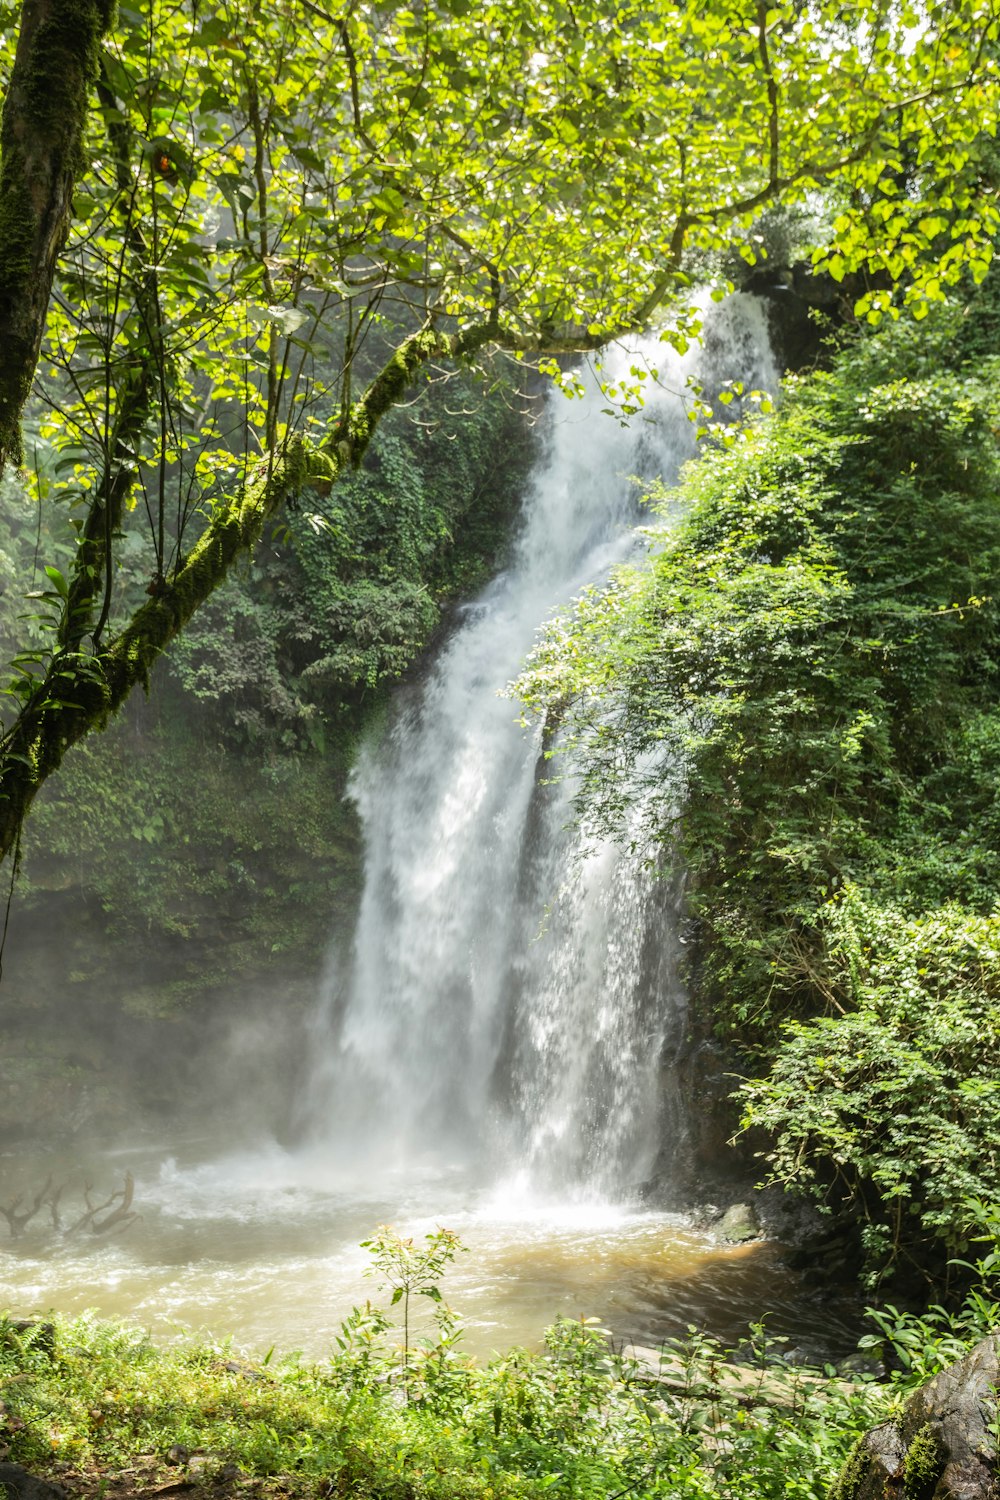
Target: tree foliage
<point>276,226</point>
<point>801,686</point>
<point>893,1105</point>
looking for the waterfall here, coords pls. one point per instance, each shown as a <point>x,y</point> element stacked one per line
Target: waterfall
<point>512,995</point>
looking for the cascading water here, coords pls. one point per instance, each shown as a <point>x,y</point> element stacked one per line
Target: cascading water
<point>499,1055</point>
<point>511,996</point>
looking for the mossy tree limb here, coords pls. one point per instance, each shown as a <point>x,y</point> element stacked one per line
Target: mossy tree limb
<point>137,383</point>
<point>41,133</point>
<point>80,691</point>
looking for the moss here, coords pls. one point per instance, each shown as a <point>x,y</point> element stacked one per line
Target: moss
<point>853,1479</point>
<point>389,385</point>
<point>66,47</point>
<point>140,837</point>
<point>16,370</point>
<point>924,1463</point>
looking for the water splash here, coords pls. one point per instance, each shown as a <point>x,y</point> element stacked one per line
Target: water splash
<point>511,998</point>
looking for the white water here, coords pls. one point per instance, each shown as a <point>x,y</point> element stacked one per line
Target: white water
<point>242,1247</point>
<point>511,998</point>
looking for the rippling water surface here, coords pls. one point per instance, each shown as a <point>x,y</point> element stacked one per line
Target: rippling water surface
<point>265,1247</point>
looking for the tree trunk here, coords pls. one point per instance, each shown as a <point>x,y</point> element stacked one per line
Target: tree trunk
<point>41,136</point>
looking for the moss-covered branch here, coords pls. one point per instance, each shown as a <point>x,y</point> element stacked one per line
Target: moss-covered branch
<point>40,147</point>
<point>80,690</point>
<point>89,594</point>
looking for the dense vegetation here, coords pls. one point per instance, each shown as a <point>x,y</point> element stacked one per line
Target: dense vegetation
<point>806,676</point>
<point>103,1408</point>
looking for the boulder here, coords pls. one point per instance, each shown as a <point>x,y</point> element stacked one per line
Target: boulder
<point>738,1224</point>
<point>17,1484</point>
<point>943,1445</point>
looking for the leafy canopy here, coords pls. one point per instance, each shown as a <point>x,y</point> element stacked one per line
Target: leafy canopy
<point>227,246</point>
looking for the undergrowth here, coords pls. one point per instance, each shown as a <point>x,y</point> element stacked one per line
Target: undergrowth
<point>797,696</point>
<point>102,1407</point>
<point>83,1399</point>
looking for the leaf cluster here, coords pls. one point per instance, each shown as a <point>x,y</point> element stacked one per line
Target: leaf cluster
<point>894,1106</point>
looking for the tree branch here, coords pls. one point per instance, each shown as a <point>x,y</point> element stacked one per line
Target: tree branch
<point>772,94</point>
<point>79,692</point>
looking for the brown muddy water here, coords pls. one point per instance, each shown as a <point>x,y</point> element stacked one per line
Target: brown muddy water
<point>264,1248</point>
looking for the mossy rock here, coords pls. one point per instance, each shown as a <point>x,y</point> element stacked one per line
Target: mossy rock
<point>941,1447</point>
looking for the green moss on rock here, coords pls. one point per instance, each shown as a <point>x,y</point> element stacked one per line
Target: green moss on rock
<point>924,1464</point>
<point>857,1475</point>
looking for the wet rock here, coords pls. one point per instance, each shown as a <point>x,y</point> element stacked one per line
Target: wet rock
<point>245,1371</point>
<point>738,1224</point>
<point>709,1164</point>
<point>943,1446</point>
<point>17,1484</point>
<point>704,1215</point>
<point>861,1365</point>
<point>795,294</point>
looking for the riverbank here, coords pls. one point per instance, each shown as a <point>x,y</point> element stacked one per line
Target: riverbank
<point>397,1410</point>
<point>102,1411</point>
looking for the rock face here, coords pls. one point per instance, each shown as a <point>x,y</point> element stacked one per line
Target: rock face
<point>794,294</point>
<point>944,1444</point>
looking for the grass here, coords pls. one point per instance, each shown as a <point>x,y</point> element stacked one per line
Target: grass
<point>106,1412</point>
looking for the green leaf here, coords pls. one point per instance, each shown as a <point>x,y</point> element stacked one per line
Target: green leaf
<point>55,577</point>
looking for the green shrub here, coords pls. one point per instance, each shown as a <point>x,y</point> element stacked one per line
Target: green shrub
<point>892,1109</point>
<point>90,1401</point>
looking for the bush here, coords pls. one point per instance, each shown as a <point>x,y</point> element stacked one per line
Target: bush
<point>893,1109</point>
<point>348,589</point>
